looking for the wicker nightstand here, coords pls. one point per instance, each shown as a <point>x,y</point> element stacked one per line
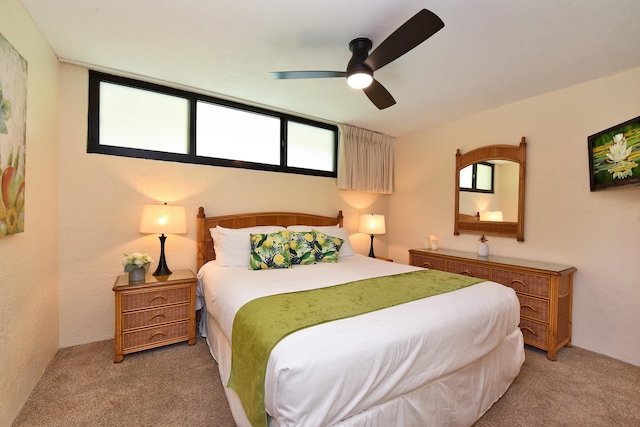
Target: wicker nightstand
<point>158,312</point>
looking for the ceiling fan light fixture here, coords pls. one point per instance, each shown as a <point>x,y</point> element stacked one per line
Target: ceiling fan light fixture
<point>359,80</point>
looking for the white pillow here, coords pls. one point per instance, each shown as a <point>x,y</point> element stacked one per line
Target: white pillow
<point>330,230</point>
<point>232,245</point>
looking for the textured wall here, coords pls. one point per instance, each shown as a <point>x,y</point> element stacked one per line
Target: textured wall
<point>101,199</point>
<point>597,232</point>
<point>29,260</point>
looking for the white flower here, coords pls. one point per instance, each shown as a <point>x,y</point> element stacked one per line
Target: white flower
<point>618,155</point>
<point>618,151</point>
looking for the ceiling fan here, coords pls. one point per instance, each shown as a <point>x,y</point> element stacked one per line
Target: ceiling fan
<point>361,66</point>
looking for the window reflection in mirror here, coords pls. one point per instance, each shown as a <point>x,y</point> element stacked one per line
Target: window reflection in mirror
<point>477,177</point>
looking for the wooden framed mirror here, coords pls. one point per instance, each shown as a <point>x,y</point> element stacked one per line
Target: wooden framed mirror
<point>494,205</point>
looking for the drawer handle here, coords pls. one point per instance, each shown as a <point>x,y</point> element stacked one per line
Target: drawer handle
<point>157,315</point>
<point>467,273</point>
<point>518,282</point>
<point>528,329</point>
<point>157,333</point>
<point>427,265</point>
<point>530,307</point>
<point>156,297</point>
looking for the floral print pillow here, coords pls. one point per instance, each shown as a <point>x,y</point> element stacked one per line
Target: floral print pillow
<point>327,247</point>
<point>270,251</point>
<point>302,247</point>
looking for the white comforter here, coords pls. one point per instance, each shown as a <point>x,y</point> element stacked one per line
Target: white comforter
<point>329,372</point>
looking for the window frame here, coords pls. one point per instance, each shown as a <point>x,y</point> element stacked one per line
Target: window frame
<point>474,176</point>
<point>94,146</point>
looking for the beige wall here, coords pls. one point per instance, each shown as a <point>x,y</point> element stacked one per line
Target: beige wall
<point>29,260</point>
<point>101,199</point>
<point>598,233</point>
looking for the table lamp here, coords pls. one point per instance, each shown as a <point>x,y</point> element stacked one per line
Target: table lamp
<point>372,224</point>
<point>161,219</point>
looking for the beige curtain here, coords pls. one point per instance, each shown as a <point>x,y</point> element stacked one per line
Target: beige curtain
<point>365,161</point>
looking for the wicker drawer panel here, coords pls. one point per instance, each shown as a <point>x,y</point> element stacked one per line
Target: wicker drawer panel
<point>156,335</point>
<point>137,300</point>
<point>534,308</point>
<point>534,333</point>
<point>520,282</point>
<point>473,270</point>
<point>139,319</point>
<point>427,262</point>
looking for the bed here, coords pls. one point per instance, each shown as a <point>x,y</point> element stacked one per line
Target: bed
<point>442,360</point>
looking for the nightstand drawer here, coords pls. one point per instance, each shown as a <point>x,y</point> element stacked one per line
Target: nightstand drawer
<point>534,333</point>
<point>534,308</point>
<point>145,337</point>
<point>472,270</point>
<point>427,262</point>
<point>139,319</point>
<point>155,298</point>
<point>520,282</point>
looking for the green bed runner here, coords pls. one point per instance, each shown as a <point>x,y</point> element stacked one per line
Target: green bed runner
<point>260,324</point>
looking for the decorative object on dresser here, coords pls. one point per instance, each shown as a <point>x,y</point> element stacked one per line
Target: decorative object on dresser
<point>137,265</point>
<point>477,206</point>
<point>483,247</point>
<point>372,224</point>
<point>433,242</point>
<point>161,219</point>
<point>154,313</point>
<point>545,290</point>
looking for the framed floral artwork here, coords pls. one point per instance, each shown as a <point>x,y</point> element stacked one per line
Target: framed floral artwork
<point>13,127</point>
<point>614,156</point>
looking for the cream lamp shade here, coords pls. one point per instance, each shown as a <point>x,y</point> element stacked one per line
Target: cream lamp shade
<point>372,224</point>
<point>163,219</point>
<point>491,216</point>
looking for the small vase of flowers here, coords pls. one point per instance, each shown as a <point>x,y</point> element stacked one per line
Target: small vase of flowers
<point>137,265</point>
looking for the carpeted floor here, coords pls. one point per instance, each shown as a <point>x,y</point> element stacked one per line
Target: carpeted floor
<point>179,385</point>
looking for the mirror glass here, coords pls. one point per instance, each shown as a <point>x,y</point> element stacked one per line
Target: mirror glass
<point>489,192</point>
<point>494,191</point>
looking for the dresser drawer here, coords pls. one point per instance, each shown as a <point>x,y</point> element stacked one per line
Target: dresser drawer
<point>534,333</point>
<point>472,270</point>
<point>139,319</point>
<point>155,335</point>
<point>521,282</point>
<point>534,308</point>
<point>427,262</point>
<point>155,298</point>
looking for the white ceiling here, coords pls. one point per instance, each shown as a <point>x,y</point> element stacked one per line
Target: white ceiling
<point>490,52</point>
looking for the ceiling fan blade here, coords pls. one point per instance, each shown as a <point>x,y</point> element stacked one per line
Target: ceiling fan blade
<point>420,27</point>
<point>379,95</point>
<point>306,74</point>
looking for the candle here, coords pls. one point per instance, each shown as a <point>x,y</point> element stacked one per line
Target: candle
<point>433,242</point>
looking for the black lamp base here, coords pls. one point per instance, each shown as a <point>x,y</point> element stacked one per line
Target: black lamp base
<point>162,269</point>
<point>371,254</point>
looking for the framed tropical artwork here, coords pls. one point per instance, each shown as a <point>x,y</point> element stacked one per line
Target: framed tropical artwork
<point>614,156</point>
<point>13,127</point>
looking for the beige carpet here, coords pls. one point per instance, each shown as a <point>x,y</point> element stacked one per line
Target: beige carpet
<point>179,386</point>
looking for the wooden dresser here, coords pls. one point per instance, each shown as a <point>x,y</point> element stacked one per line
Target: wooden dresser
<point>544,290</point>
<point>160,311</point>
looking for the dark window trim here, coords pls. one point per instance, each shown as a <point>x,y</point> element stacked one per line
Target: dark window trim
<point>474,173</point>
<point>93,145</point>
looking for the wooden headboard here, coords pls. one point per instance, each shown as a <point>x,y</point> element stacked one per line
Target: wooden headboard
<point>205,251</point>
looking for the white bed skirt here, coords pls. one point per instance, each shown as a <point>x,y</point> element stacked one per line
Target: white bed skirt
<point>456,399</point>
